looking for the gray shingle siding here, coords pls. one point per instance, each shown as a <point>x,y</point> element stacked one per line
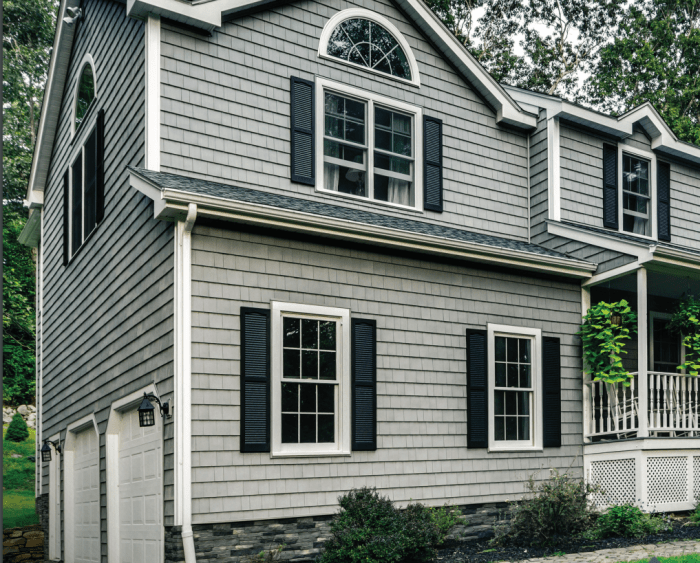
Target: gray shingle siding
<point>539,180</point>
<point>108,315</point>
<point>422,310</point>
<point>226,116</point>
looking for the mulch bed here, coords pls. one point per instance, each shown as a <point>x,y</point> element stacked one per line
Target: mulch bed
<point>480,551</point>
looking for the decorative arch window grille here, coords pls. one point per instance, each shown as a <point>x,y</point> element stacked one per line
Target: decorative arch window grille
<point>368,40</point>
<point>85,94</point>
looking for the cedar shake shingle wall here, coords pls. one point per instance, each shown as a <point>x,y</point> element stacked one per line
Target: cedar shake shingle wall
<point>226,113</point>
<point>582,186</point>
<point>108,315</point>
<point>539,180</point>
<point>422,311</point>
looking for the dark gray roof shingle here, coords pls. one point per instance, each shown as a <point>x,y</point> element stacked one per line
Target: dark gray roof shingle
<point>247,195</point>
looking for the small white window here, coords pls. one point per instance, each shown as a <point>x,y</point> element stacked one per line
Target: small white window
<point>370,146</point>
<point>637,178</point>
<point>515,397</point>
<point>310,380</point>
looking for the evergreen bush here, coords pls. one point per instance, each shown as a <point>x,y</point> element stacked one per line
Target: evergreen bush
<point>17,431</point>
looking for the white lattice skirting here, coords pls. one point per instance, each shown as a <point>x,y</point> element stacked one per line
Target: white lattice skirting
<point>661,480</point>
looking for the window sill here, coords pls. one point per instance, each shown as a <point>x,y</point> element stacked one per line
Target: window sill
<point>310,454</point>
<point>645,237</point>
<point>513,449</point>
<point>371,201</point>
<point>73,256</point>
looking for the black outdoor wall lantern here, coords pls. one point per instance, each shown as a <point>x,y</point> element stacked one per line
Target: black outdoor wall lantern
<point>46,449</point>
<point>147,415</point>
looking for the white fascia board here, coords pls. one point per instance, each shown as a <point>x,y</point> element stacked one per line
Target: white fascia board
<point>150,190</point>
<point>205,16</point>
<point>51,105</point>
<point>31,233</point>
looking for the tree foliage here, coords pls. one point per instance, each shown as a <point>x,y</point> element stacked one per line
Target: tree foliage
<point>28,29</point>
<point>686,322</point>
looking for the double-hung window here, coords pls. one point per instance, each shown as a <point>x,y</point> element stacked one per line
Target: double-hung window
<point>82,195</point>
<point>636,195</point>
<point>310,380</point>
<point>515,395</point>
<point>370,146</point>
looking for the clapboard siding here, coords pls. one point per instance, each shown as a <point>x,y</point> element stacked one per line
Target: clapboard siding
<point>108,315</point>
<point>226,115</point>
<point>422,310</point>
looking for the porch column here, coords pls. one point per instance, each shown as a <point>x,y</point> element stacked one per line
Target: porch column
<point>585,305</point>
<point>642,353</point>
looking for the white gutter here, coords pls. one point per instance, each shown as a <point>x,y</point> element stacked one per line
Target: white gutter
<point>183,380</point>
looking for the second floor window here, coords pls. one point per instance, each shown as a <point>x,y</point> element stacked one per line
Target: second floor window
<point>636,195</point>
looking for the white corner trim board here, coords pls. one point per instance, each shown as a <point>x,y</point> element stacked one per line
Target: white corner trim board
<point>183,380</point>
<point>54,502</point>
<point>554,168</point>
<point>361,13</point>
<point>152,68</point>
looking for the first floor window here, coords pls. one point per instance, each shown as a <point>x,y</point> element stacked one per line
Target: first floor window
<point>636,198</point>
<point>514,387</point>
<point>369,147</point>
<point>310,375</point>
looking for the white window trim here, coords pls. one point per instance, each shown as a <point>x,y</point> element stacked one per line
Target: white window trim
<point>351,13</point>
<point>653,315</point>
<point>85,133</point>
<point>535,443</point>
<point>321,86</point>
<point>87,60</point>
<point>55,501</point>
<point>343,416</point>
<point>651,157</point>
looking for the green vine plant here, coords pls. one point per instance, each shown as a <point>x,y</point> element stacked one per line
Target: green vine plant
<point>603,341</point>
<point>686,322</point>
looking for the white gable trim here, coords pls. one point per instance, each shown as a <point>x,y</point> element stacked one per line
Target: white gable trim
<point>361,13</point>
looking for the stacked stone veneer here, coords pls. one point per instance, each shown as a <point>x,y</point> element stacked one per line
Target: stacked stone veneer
<point>303,538</point>
<point>41,505</point>
<point>23,544</point>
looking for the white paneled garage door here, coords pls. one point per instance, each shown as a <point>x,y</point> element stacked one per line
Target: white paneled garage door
<point>140,491</point>
<point>86,497</point>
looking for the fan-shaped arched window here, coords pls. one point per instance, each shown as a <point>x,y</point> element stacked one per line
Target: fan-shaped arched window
<point>368,40</point>
<point>85,94</point>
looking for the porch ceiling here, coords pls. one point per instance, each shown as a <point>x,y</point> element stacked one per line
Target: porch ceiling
<point>660,284</point>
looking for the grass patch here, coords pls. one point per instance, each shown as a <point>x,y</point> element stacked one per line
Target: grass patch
<point>18,482</point>
<point>690,558</point>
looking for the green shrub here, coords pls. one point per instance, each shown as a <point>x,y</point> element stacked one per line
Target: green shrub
<point>17,431</point>
<point>445,518</point>
<point>370,529</point>
<point>558,506</point>
<point>628,521</point>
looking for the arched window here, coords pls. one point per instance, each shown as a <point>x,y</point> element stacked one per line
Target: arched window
<point>85,94</point>
<point>368,40</point>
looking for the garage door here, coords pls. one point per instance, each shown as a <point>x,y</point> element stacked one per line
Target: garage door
<point>87,497</point>
<point>140,491</point>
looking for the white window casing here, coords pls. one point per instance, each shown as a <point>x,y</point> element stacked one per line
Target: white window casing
<point>649,156</point>
<point>343,413</point>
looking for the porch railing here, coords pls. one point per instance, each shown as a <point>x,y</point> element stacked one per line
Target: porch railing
<point>673,406</point>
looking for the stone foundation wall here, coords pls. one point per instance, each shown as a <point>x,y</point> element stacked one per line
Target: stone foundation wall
<point>23,544</point>
<point>302,538</point>
<point>42,511</point>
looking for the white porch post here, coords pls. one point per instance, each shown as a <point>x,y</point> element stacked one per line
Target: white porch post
<point>585,305</point>
<point>642,353</point>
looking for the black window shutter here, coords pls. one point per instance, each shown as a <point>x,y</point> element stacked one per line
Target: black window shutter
<point>100,172</point>
<point>364,384</point>
<point>551,384</point>
<point>610,211</point>
<point>255,380</point>
<point>432,151</point>
<point>303,154</point>
<point>663,188</point>
<point>477,389</point>
<point>66,222</point>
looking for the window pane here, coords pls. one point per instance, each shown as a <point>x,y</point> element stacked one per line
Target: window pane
<point>77,204</point>
<point>511,428</point>
<point>307,433</point>
<point>512,375</point>
<point>636,225</point>
<point>499,402</point>
<point>392,163</point>
<point>86,94</point>
<point>327,367</point>
<point>326,398</point>
<point>355,110</point>
<point>291,364</point>
<point>512,346</point>
<point>290,428</point>
<point>345,118</point>
<point>309,334</point>
<point>394,137</point>
<point>307,401</point>
<point>382,139</point>
<point>309,364</point>
<point>290,397</point>
<point>635,203</point>
<point>523,428</point>
<point>382,118</point>
<point>290,329</point>
<point>635,175</point>
<point>327,336</point>
<point>524,375</point>
<point>499,430</point>
<point>500,349</point>
<point>343,152</point>
<point>90,211</point>
<point>500,375</point>
<point>511,402</point>
<point>524,347</point>
<point>326,428</point>
<point>393,190</point>
<point>524,402</point>
<point>344,180</point>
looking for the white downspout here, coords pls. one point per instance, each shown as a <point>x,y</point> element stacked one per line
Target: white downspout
<point>183,383</point>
